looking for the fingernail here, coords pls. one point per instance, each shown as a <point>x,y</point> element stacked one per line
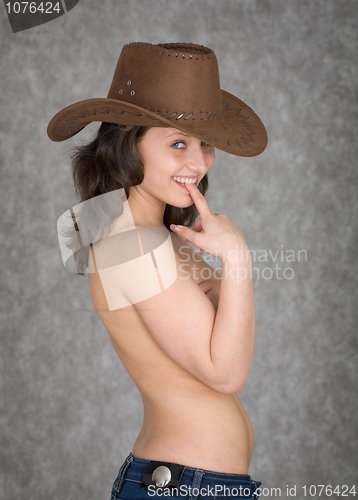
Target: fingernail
<point>175,228</point>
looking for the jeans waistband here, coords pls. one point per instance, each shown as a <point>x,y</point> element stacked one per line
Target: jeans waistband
<point>134,467</point>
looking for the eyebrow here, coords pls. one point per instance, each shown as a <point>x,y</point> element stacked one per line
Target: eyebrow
<point>180,133</point>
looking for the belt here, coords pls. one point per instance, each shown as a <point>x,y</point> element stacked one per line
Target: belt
<point>167,474</point>
<point>160,474</point>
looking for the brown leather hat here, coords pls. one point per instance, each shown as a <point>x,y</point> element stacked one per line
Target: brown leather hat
<point>169,85</point>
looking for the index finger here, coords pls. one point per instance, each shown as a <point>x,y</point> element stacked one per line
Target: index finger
<point>199,200</point>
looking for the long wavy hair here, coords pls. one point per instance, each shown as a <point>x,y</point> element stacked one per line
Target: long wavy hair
<point>108,163</point>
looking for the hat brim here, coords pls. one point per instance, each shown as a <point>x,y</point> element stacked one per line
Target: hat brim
<point>239,131</point>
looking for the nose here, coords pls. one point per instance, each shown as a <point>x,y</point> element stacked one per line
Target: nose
<point>199,161</point>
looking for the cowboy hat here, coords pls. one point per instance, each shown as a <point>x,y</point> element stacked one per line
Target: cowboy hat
<point>169,85</point>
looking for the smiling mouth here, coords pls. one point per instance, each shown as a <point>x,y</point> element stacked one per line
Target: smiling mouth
<point>185,180</point>
<point>181,184</point>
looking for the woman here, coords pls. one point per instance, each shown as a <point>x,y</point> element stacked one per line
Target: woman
<point>187,340</point>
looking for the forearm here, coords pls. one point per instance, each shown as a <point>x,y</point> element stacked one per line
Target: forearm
<point>233,336</point>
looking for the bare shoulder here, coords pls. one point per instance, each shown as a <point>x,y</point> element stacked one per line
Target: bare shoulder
<point>134,265</point>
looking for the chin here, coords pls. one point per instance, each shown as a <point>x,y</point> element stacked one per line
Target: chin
<point>180,203</point>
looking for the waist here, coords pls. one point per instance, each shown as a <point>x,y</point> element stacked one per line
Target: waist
<point>157,477</point>
<point>199,434</point>
<point>200,426</point>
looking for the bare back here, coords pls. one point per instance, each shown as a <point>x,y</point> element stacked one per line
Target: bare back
<point>185,420</point>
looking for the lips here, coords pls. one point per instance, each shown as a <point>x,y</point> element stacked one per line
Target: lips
<point>182,186</point>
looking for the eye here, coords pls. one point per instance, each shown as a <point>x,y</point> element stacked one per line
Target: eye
<point>205,144</point>
<point>178,145</point>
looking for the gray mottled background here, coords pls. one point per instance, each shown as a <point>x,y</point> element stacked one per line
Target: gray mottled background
<point>71,413</point>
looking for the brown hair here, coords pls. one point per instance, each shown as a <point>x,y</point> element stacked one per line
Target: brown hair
<point>108,163</point>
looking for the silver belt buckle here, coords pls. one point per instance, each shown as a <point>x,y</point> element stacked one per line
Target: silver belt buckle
<point>161,476</point>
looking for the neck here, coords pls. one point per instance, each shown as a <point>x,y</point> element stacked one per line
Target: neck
<point>146,210</point>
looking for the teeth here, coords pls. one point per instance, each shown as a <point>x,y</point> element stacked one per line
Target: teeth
<point>185,179</point>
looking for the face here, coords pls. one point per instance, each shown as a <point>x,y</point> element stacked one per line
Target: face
<point>167,153</point>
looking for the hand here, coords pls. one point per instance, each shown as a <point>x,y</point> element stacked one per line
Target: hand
<point>215,233</point>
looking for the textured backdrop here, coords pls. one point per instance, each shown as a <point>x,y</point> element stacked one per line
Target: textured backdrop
<point>71,412</point>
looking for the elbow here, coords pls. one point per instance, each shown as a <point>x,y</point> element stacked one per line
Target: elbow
<point>231,386</point>
<point>230,381</point>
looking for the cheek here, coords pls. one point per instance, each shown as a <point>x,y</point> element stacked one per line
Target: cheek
<point>156,174</point>
<point>210,160</point>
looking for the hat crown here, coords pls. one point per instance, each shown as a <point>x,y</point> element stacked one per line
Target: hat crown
<point>172,80</point>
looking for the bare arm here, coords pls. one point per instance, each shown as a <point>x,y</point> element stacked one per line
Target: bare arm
<point>215,348</point>
<point>233,335</point>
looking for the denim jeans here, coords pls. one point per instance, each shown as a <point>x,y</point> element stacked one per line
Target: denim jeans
<point>193,484</point>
